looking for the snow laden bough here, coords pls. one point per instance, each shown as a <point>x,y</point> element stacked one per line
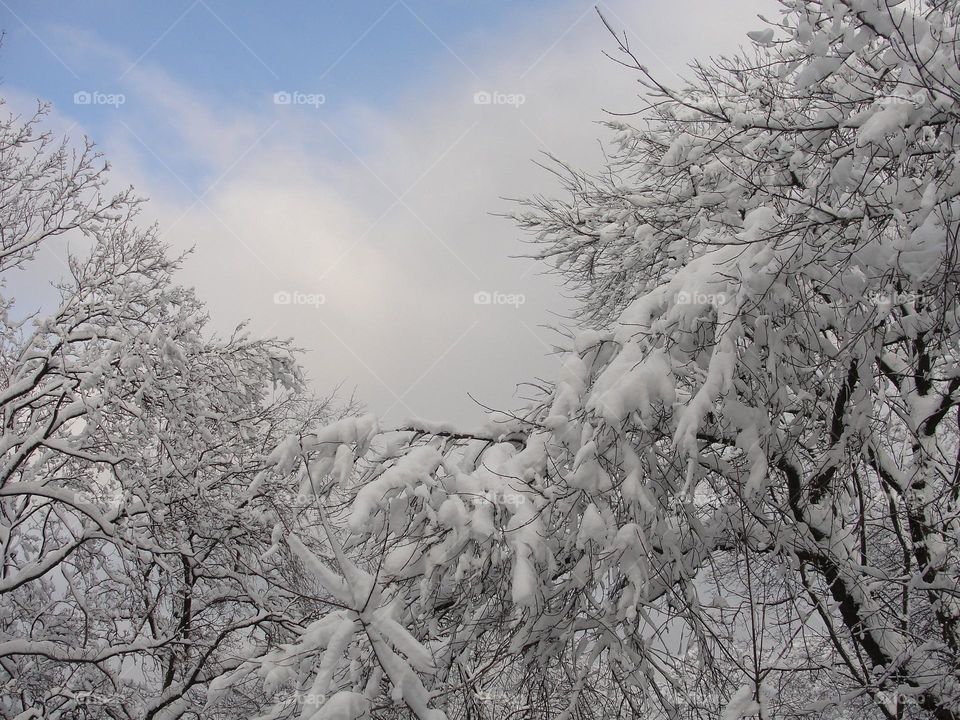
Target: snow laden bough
<point>739,496</point>
<point>131,576</point>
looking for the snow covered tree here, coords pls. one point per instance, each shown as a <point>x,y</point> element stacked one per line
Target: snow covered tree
<point>739,498</point>
<point>134,554</point>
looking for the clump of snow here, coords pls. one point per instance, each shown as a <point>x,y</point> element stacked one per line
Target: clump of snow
<point>344,705</point>
<point>741,705</point>
<point>593,528</point>
<point>417,464</point>
<point>885,120</point>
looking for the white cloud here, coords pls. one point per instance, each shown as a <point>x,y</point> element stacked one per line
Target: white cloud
<point>293,209</point>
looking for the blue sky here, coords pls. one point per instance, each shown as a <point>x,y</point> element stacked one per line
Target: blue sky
<point>239,53</point>
<point>233,48</point>
<point>244,50</point>
<point>382,201</point>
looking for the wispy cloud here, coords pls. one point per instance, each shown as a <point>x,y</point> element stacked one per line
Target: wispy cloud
<point>386,211</point>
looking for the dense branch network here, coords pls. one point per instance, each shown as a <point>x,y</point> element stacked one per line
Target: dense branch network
<point>738,498</point>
